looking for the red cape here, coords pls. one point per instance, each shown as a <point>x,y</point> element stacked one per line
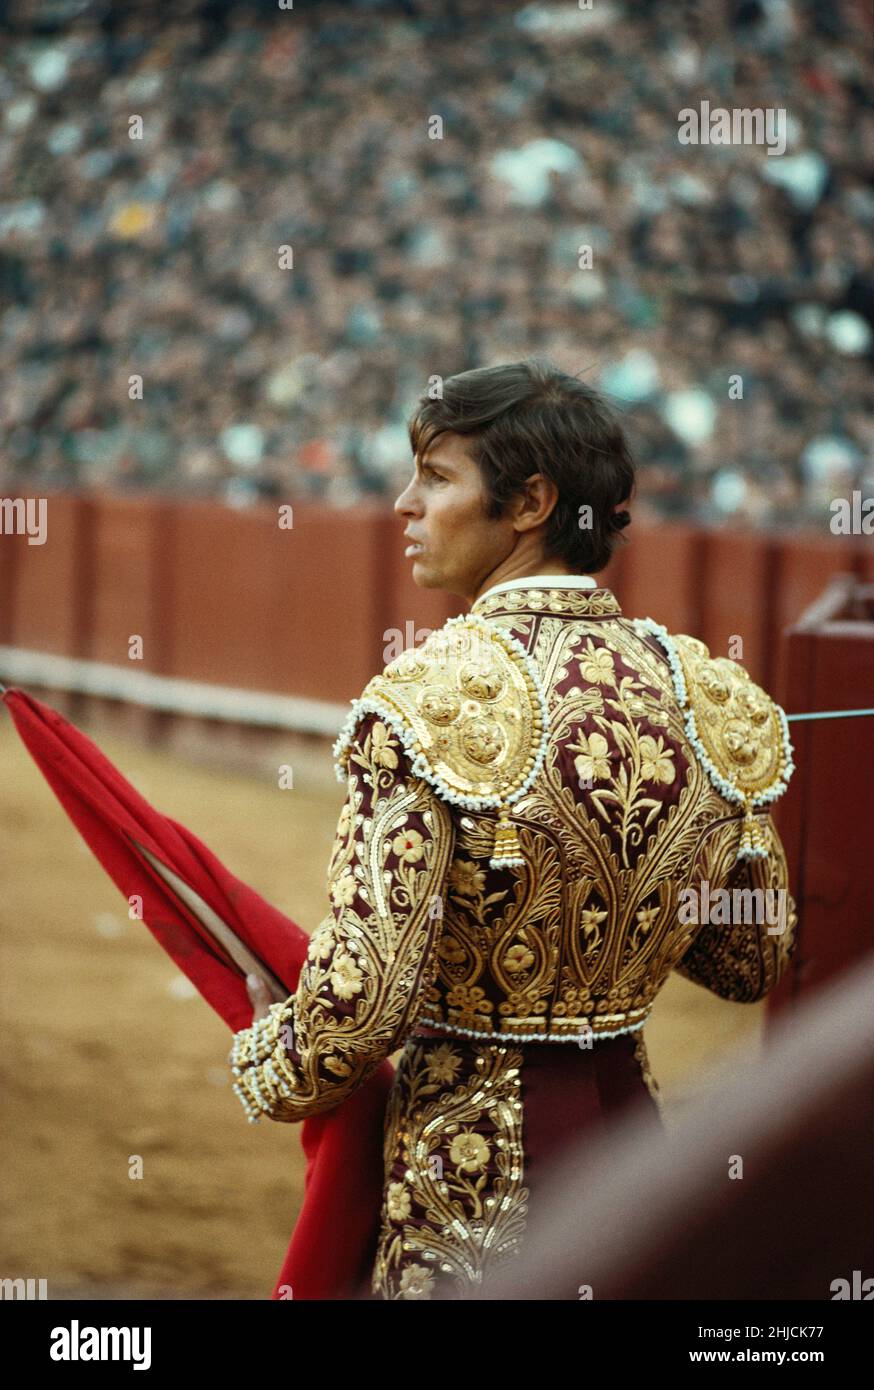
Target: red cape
<point>334,1241</point>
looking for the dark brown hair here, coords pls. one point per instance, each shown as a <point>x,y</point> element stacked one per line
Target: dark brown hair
<point>530,417</point>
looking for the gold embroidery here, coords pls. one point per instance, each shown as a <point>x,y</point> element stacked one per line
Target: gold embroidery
<point>370,960</point>
<point>472,716</point>
<point>739,733</point>
<point>641,1056</point>
<point>455,1205</point>
<point>742,960</point>
<point>569,602</point>
<point>737,723</point>
<point>577,939</point>
<point>582,938</point>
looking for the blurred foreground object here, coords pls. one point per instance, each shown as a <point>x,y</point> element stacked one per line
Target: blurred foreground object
<point>644,1217</point>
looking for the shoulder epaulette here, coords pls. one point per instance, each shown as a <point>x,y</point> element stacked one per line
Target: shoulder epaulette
<point>468,708</point>
<point>739,734</point>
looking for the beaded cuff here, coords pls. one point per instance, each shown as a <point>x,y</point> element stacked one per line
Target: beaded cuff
<point>256,1048</point>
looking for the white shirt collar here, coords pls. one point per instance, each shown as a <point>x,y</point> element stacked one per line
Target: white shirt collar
<point>543,581</point>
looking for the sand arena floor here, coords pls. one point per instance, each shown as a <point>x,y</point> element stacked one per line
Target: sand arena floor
<point>108,1053</point>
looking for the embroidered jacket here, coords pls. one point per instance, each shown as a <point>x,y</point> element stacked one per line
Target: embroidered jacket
<point>544,803</point>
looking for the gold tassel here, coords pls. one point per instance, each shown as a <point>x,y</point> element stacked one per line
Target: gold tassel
<point>507,852</point>
<point>753,844</point>
<point>761,839</point>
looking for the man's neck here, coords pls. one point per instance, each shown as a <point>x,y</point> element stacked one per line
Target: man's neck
<point>544,577</point>
<point>516,575</point>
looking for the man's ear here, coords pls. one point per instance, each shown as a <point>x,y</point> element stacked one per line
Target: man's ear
<point>534,503</point>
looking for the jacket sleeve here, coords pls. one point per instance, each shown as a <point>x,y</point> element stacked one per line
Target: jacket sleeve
<point>742,958</point>
<point>373,956</point>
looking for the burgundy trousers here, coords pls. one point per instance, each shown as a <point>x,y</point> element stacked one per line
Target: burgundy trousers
<point>473,1129</point>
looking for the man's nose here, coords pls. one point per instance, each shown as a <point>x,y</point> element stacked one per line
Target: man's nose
<point>407,501</point>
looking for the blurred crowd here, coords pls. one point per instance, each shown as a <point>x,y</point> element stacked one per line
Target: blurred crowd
<point>238,241</point>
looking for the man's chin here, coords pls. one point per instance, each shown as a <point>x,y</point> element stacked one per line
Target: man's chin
<point>423,574</point>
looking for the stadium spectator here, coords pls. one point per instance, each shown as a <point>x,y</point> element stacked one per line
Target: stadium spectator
<point>416,257</point>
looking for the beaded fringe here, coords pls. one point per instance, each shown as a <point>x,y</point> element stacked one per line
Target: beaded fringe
<point>752,841</point>
<point>507,851</point>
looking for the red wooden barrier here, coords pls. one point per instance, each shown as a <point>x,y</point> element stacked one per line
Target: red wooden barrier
<point>286,610</point>
<point>827,815</point>
<point>805,563</point>
<point>734,597</point>
<point>660,576</point>
<point>128,546</point>
<point>47,587</point>
<point>226,596</point>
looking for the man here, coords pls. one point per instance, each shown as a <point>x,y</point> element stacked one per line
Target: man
<point>534,796</point>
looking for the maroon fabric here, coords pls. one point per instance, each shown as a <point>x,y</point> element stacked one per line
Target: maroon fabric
<point>569,1090</point>
<point>567,1093</point>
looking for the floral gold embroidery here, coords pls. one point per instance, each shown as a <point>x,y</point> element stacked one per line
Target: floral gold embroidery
<point>451,950</point>
<point>581,940</point>
<point>383,747</point>
<point>594,760</point>
<point>597,666</point>
<point>443,1063</point>
<point>408,846</point>
<point>656,764</point>
<point>455,1203</point>
<point>466,878</point>
<point>416,1282</point>
<point>371,961</point>
<point>343,892</point>
<point>398,1205</point>
<point>518,958</point>
<point>346,978</point>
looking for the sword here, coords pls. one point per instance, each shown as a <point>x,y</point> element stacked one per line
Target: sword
<point>832,714</point>
<point>815,714</point>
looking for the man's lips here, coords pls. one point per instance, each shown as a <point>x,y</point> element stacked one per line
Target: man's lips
<point>415,549</point>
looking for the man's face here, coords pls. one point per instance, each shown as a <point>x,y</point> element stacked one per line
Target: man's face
<point>443,506</point>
